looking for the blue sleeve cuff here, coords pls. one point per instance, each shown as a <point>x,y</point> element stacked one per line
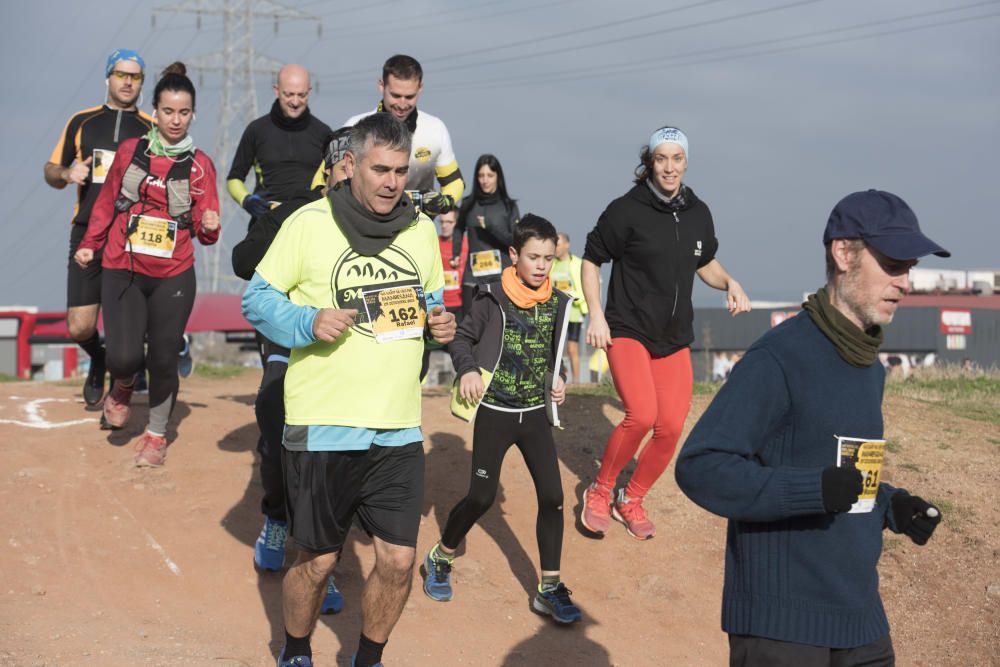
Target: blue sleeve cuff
<point>271,312</point>
<point>435,298</point>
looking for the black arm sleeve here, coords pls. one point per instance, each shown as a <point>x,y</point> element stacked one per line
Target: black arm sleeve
<point>245,154</point>
<point>468,334</point>
<point>606,241</point>
<point>502,230</point>
<point>711,245</point>
<point>248,252</point>
<point>459,232</point>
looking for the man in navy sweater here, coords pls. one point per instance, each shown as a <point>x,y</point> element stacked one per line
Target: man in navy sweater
<point>801,584</point>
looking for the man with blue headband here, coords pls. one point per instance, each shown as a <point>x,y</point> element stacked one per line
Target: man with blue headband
<point>83,158</point>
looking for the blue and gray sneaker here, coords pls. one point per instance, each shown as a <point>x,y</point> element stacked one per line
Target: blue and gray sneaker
<point>437,582</point>
<point>556,603</point>
<point>269,552</point>
<point>354,659</point>
<point>185,364</point>
<point>333,601</point>
<point>294,661</point>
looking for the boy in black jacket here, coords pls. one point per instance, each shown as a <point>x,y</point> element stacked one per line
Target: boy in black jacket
<point>512,336</point>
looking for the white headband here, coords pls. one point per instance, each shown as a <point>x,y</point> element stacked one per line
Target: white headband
<point>669,135</point>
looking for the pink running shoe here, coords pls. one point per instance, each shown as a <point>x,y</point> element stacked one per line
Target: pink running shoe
<point>152,451</point>
<point>116,406</point>
<point>631,513</point>
<point>596,514</point>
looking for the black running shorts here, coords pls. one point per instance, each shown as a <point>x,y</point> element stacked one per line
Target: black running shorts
<point>383,486</point>
<point>83,286</point>
<point>573,332</point>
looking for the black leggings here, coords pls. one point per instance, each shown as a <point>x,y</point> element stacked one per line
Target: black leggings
<point>270,411</point>
<point>149,310</point>
<point>494,433</point>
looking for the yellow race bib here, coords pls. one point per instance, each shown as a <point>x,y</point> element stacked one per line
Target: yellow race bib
<point>486,263</point>
<point>152,236</point>
<point>866,456</point>
<point>396,313</point>
<point>101,164</point>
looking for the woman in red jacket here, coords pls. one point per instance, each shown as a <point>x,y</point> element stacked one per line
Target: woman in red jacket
<point>158,196</point>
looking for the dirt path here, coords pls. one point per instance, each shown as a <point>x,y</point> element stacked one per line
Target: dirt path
<point>106,564</point>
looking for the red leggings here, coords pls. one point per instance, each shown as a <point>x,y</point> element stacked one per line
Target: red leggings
<point>656,392</point>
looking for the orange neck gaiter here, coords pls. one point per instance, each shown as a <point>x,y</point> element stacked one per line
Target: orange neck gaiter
<point>520,294</point>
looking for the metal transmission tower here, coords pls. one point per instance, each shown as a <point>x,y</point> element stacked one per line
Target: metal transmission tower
<point>238,63</point>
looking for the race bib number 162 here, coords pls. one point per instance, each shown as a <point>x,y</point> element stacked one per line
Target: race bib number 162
<point>396,313</point>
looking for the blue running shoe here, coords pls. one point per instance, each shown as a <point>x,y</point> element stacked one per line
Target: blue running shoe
<point>437,579</point>
<point>269,552</point>
<point>556,603</point>
<point>333,601</point>
<point>185,364</point>
<point>294,661</point>
<point>354,659</point>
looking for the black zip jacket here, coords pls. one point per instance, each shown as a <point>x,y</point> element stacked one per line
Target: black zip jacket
<point>283,153</point>
<point>248,252</point>
<point>497,235</point>
<point>479,340</point>
<point>654,253</point>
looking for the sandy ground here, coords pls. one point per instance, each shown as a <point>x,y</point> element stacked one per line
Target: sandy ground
<point>106,564</point>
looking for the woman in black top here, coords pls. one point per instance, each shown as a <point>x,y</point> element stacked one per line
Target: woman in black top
<point>657,236</point>
<point>489,215</point>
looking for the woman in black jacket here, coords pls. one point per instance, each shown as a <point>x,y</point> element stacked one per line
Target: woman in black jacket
<point>657,236</point>
<point>489,216</point>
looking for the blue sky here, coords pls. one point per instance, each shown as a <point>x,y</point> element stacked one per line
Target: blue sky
<point>788,106</point>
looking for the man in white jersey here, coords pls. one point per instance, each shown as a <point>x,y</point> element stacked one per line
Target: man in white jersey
<point>432,155</point>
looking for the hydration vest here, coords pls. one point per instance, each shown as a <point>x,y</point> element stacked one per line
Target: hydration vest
<point>177,185</point>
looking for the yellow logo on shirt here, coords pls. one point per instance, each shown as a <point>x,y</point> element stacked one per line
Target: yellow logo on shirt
<point>423,154</point>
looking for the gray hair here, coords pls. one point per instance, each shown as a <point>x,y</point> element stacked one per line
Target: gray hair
<point>378,129</point>
<point>854,246</point>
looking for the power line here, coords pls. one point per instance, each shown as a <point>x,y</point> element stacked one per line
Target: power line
<point>579,74</point>
<point>635,36</point>
<point>551,36</point>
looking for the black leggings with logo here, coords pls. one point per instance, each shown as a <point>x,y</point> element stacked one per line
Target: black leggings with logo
<point>493,434</point>
<point>141,309</point>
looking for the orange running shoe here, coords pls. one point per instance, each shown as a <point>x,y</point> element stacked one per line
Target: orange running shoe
<point>116,406</point>
<point>596,514</point>
<point>152,451</point>
<point>631,513</point>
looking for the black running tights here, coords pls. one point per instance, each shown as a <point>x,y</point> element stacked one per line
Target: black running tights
<point>493,435</point>
<point>149,310</point>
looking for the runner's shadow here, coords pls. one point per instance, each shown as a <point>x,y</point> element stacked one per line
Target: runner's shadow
<point>580,445</point>
<point>553,645</point>
<point>245,399</point>
<point>447,482</point>
<point>243,521</point>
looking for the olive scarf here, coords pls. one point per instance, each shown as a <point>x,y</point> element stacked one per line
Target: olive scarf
<point>858,348</point>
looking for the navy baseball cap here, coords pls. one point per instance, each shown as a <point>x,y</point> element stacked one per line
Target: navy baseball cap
<point>883,221</point>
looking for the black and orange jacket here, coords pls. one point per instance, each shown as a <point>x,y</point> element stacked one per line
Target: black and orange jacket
<point>99,129</point>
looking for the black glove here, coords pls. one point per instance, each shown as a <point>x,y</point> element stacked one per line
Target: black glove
<point>435,203</point>
<point>841,488</point>
<point>915,517</point>
<point>256,204</point>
